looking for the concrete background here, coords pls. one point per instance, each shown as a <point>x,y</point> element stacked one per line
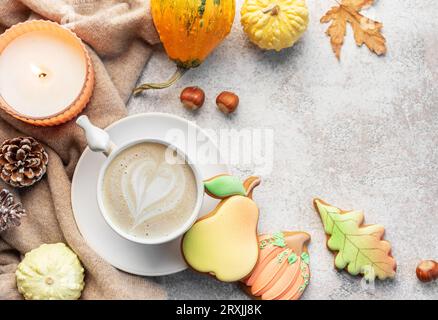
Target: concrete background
<point>361,133</point>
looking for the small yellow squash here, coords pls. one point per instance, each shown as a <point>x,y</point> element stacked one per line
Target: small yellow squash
<point>274,24</point>
<point>50,272</point>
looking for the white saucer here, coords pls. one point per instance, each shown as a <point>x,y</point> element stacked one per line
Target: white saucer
<point>146,260</point>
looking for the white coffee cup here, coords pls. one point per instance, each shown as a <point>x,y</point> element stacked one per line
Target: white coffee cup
<point>99,141</point>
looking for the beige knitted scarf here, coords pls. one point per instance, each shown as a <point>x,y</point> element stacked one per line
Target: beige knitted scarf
<point>118,35</point>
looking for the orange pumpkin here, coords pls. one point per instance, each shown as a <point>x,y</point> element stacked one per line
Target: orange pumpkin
<point>190,30</point>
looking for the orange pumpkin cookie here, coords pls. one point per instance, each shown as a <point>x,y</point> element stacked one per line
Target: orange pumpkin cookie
<point>282,270</point>
<point>224,242</point>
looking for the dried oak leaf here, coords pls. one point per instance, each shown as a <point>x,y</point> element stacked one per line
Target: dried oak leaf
<point>366,31</point>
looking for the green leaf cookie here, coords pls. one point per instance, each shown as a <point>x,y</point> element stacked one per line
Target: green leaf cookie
<point>358,246</point>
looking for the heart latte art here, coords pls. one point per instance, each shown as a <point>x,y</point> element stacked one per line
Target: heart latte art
<point>146,196</point>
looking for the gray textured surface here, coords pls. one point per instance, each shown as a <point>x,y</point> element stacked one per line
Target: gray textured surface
<point>361,133</point>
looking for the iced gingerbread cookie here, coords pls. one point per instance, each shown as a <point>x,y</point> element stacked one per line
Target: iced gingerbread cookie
<point>360,248</point>
<point>224,242</point>
<point>282,270</point>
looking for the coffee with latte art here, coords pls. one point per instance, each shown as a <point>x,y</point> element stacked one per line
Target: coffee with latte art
<point>146,196</point>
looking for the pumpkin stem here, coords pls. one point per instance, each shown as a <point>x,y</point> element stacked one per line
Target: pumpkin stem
<point>274,9</point>
<point>176,76</point>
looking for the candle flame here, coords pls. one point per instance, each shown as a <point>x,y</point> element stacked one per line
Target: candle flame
<point>38,71</point>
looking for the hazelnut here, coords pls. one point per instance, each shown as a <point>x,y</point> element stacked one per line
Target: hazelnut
<point>427,270</point>
<point>192,98</point>
<point>227,102</point>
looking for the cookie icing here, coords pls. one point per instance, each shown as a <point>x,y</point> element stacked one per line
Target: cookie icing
<point>224,242</point>
<point>360,249</point>
<point>223,186</point>
<point>282,271</point>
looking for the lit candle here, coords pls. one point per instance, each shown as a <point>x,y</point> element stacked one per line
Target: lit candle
<point>46,77</point>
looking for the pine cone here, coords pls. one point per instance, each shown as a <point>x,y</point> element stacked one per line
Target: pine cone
<point>10,212</point>
<point>23,161</point>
